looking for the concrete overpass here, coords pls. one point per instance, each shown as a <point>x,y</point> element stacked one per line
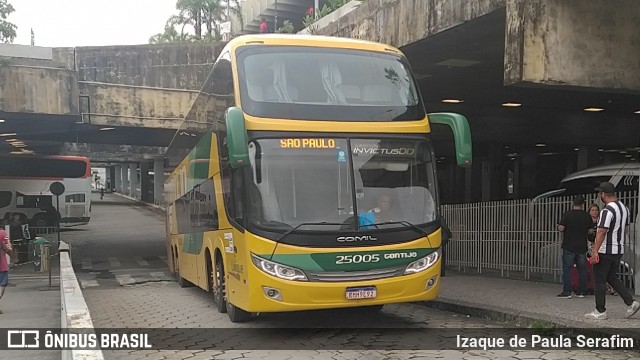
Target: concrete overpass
<point>554,58</point>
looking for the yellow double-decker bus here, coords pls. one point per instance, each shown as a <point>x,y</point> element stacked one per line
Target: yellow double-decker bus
<point>315,186</point>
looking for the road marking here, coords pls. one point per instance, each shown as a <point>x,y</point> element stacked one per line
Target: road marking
<point>89,283</point>
<point>125,279</point>
<point>141,261</point>
<point>87,264</point>
<point>114,262</point>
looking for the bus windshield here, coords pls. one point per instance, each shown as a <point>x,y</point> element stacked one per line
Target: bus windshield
<point>307,83</point>
<point>313,180</point>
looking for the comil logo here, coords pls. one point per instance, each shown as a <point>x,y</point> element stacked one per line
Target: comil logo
<point>23,339</point>
<point>356,238</point>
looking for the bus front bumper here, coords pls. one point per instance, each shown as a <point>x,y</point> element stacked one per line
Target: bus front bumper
<point>306,295</point>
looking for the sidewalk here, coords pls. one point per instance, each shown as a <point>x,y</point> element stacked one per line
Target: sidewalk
<point>522,302</point>
<point>28,303</point>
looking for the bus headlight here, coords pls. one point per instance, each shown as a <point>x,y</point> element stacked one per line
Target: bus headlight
<point>278,270</point>
<point>423,263</point>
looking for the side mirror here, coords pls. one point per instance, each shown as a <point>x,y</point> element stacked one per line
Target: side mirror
<point>461,134</point>
<point>237,139</point>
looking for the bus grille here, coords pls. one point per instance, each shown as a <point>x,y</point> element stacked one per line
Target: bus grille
<point>355,275</point>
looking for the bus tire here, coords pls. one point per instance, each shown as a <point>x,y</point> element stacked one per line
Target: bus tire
<point>179,279</point>
<point>217,276</point>
<point>236,314</point>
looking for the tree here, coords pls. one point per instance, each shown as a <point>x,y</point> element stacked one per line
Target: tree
<point>7,29</point>
<point>201,16</point>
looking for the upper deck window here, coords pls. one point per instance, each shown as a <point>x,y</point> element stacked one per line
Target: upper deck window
<point>309,83</point>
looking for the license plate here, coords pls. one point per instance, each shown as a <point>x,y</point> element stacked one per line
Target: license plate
<point>361,293</point>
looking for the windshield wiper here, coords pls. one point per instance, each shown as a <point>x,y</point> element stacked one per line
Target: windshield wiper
<point>405,223</point>
<point>303,224</point>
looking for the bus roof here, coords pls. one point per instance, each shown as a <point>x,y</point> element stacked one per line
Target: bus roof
<point>311,40</point>
<point>603,170</point>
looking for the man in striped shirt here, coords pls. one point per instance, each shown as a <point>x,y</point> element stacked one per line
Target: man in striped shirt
<point>607,252</point>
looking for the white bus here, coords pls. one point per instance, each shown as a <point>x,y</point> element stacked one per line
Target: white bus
<point>24,189</point>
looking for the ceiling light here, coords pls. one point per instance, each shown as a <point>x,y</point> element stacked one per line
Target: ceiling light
<point>576,149</point>
<point>11,140</point>
<point>452,101</point>
<point>511,104</point>
<point>1,120</point>
<point>593,109</point>
<point>17,152</point>
<point>541,145</point>
<point>106,128</point>
<point>19,145</point>
<point>8,134</point>
<point>637,112</point>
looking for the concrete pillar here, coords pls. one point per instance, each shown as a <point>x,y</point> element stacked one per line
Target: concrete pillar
<point>145,183</point>
<point>587,157</point>
<point>528,174</point>
<point>118,178</point>
<point>112,177</point>
<point>125,180</point>
<point>158,181</point>
<point>133,179</point>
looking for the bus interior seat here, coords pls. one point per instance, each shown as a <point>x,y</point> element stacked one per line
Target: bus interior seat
<point>352,93</point>
<point>378,94</point>
<point>270,93</point>
<point>255,92</point>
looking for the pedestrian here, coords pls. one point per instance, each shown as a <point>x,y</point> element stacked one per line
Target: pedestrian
<point>607,252</point>
<point>101,193</point>
<point>263,26</point>
<point>574,226</point>
<point>594,212</point>
<point>5,250</point>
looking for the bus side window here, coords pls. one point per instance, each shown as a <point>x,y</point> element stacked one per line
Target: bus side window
<point>627,183</point>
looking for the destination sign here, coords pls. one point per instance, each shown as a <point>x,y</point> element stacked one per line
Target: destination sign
<point>317,143</point>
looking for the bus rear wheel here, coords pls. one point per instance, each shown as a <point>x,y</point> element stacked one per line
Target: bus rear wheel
<point>176,271</point>
<point>217,277</point>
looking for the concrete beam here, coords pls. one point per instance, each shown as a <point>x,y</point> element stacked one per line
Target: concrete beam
<point>590,44</point>
<point>402,22</point>
<point>105,154</point>
<point>43,90</point>
<point>135,106</point>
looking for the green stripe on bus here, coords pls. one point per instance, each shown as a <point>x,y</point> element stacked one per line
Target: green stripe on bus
<point>350,261</point>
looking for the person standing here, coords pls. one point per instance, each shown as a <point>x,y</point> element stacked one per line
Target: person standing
<point>263,26</point>
<point>607,252</point>
<point>574,225</point>
<point>5,249</point>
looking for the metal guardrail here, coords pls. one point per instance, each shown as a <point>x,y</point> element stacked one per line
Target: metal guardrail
<point>518,238</point>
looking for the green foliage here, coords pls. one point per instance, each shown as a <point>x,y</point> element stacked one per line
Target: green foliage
<point>329,7</point>
<point>287,28</point>
<point>197,21</point>
<point>7,29</point>
<point>543,328</point>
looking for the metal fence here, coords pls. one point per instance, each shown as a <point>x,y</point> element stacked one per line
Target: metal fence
<point>518,238</point>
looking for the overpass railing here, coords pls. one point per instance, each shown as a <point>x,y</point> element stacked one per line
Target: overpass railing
<point>518,238</point>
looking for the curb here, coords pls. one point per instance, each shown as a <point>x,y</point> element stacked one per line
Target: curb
<point>154,206</point>
<point>528,319</point>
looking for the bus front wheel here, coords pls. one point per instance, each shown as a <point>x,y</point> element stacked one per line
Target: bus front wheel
<point>217,277</point>
<point>236,314</point>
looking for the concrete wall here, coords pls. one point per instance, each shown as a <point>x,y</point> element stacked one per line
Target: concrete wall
<point>38,90</point>
<point>107,153</point>
<point>402,22</point>
<point>592,43</point>
<point>25,51</point>
<point>135,105</point>
<point>177,66</point>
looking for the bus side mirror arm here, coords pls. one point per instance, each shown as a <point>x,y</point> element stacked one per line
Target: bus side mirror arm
<point>237,139</point>
<point>461,134</point>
